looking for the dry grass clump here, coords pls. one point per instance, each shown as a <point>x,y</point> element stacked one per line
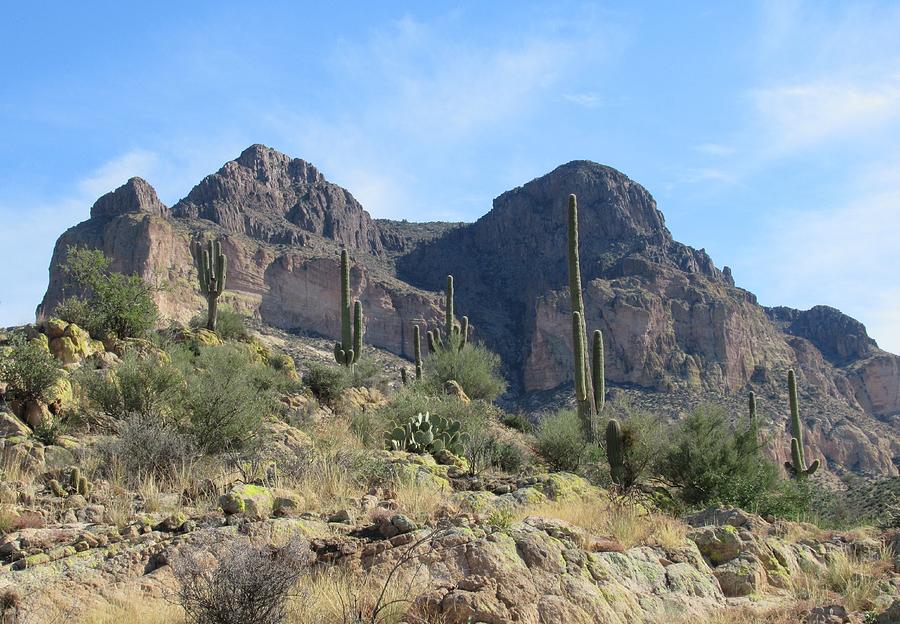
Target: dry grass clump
<point>339,595</point>
<point>134,610</point>
<point>847,579</point>
<point>421,503</point>
<point>627,523</point>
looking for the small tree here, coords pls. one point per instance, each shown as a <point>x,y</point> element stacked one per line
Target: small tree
<point>714,464</point>
<point>560,441</point>
<point>29,370</point>
<point>110,303</point>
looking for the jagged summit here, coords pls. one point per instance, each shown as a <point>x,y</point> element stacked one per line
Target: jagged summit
<point>270,196</point>
<point>136,195</point>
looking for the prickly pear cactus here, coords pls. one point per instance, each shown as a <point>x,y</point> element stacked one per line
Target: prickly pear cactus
<point>424,433</point>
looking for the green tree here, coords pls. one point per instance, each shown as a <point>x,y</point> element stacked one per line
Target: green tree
<point>29,370</point>
<point>110,303</point>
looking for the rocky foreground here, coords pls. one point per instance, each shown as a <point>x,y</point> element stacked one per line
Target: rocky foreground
<point>494,555</point>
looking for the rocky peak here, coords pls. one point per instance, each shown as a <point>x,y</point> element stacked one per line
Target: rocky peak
<point>136,195</point>
<point>611,205</point>
<point>839,337</point>
<point>274,198</point>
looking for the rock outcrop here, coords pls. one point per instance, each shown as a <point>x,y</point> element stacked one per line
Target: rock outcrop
<point>673,322</point>
<point>281,200</point>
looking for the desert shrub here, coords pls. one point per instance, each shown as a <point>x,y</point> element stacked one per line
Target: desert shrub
<point>414,399</point>
<point>29,370</point>
<point>49,430</point>
<point>517,421</point>
<point>475,368</point>
<point>560,441</point>
<point>110,303</point>
<point>510,457</point>
<point>483,449</point>
<point>328,381</point>
<point>644,440</point>
<point>227,395</point>
<point>230,325</point>
<point>247,583</point>
<point>712,463</point>
<point>325,381</point>
<point>149,386</point>
<point>148,447</point>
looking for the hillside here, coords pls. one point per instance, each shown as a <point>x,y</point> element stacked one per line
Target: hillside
<point>675,324</point>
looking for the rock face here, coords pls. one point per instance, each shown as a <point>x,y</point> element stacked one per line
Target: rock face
<point>673,322</point>
<point>288,200</point>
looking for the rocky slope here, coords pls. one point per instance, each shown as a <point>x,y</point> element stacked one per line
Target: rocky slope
<point>673,322</point>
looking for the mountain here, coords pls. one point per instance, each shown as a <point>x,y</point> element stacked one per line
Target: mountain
<point>676,327</point>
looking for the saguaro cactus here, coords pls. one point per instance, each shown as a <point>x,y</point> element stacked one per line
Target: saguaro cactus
<point>457,334</point>
<point>797,468</point>
<point>211,266</point>
<point>348,350</point>
<point>590,385</point>
<point>417,350</point>
<point>615,451</point>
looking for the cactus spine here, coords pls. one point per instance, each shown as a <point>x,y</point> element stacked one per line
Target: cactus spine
<point>417,349</point>
<point>615,451</point>
<point>590,385</point>
<point>211,266</point>
<point>348,350</point>
<point>797,467</point>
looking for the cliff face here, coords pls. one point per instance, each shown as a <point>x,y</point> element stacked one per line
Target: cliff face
<point>673,323</point>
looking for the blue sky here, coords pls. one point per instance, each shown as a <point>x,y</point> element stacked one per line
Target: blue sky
<point>769,133</point>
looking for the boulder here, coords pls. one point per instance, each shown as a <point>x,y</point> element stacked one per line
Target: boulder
<point>254,501</point>
<point>10,426</point>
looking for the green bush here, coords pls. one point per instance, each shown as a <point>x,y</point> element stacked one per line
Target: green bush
<point>148,386</point>
<point>517,421</point>
<point>475,368</point>
<point>644,440</point>
<point>326,381</point>
<point>713,464</point>
<point>230,325</point>
<point>30,370</point>
<point>560,441</point>
<point>227,395</point>
<point>110,303</point>
<point>147,447</point>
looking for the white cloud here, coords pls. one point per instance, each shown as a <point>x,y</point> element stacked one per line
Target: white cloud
<point>587,100</point>
<point>117,171</point>
<point>802,115</point>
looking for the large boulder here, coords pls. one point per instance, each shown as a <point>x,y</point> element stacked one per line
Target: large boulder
<point>254,501</point>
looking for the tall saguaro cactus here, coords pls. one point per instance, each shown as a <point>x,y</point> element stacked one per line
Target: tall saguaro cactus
<point>457,334</point>
<point>797,467</point>
<point>417,350</point>
<point>211,266</point>
<point>590,384</point>
<point>348,350</point>
<point>751,403</point>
